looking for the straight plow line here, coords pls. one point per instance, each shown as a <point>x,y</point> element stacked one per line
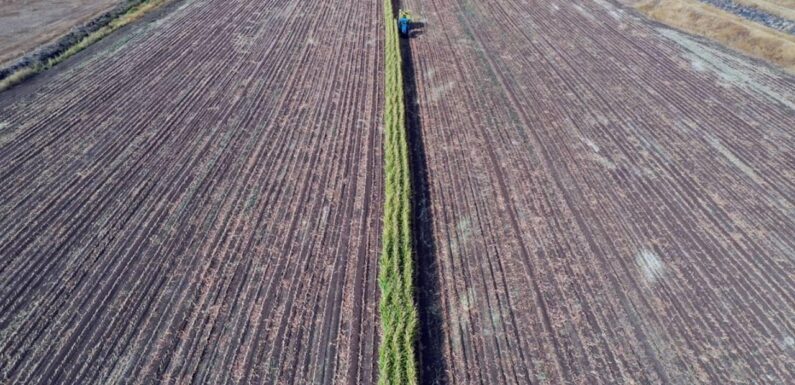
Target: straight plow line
<point>135,12</point>
<point>397,363</point>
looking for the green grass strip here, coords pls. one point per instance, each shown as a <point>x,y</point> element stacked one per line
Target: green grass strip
<point>396,357</point>
<point>134,13</point>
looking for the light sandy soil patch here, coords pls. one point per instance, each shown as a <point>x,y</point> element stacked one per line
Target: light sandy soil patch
<point>27,24</point>
<point>650,265</point>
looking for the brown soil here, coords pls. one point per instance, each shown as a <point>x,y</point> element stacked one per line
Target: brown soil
<point>28,24</point>
<point>610,201</point>
<point>202,214</point>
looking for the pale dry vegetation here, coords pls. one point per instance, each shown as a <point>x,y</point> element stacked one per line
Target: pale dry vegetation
<point>732,31</point>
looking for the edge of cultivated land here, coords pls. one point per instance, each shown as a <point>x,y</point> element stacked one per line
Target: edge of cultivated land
<point>396,356</point>
<point>727,29</point>
<point>77,41</point>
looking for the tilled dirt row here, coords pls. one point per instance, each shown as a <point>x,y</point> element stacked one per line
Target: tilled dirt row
<point>199,203</point>
<point>605,201</point>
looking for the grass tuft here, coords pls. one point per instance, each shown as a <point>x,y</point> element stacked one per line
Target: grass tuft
<point>396,360</point>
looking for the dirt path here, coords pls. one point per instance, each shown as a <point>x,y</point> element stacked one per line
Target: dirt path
<point>609,201</point>
<point>200,202</point>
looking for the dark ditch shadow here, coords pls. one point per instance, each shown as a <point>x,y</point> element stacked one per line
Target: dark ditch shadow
<point>431,337</point>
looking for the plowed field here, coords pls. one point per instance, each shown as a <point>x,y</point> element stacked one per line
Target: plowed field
<point>200,202</point>
<point>600,200</point>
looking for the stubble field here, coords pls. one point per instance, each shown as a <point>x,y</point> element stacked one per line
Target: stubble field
<point>595,199</point>
<point>199,203</point>
<point>602,200</point>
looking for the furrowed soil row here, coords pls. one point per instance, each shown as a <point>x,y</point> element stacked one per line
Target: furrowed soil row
<point>202,214</point>
<point>610,204</point>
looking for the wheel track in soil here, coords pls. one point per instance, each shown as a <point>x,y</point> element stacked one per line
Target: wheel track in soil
<point>611,147</point>
<point>194,162</point>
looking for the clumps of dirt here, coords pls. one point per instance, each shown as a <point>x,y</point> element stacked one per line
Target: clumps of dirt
<point>41,56</point>
<point>780,8</point>
<point>755,14</point>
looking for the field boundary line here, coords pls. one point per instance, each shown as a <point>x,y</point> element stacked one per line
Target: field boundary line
<point>397,362</point>
<point>56,52</point>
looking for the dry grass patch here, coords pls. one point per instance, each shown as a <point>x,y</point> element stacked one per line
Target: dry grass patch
<point>732,31</point>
